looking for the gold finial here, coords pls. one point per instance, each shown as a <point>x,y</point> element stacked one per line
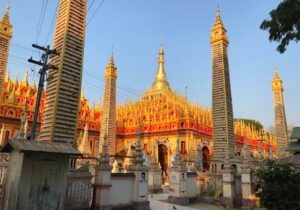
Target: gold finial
<point>111,69</point>
<point>7,10</point>
<point>218,32</point>
<point>25,79</point>
<point>33,85</point>
<point>277,82</point>
<point>16,82</point>
<point>218,20</point>
<point>82,95</point>
<point>111,60</point>
<point>276,75</point>
<point>218,11</point>
<point>161,77</point>
<point>6,14</point>
<point>7,78</point>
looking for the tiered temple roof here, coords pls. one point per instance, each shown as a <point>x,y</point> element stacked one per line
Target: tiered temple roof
<point>159,110</point>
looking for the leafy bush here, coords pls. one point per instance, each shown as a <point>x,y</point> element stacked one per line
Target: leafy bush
<point>281,186</point>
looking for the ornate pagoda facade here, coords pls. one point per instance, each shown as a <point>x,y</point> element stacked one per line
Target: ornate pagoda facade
<point>162,114</point>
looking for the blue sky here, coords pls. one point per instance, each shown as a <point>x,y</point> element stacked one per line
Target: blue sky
<point>134,28</point>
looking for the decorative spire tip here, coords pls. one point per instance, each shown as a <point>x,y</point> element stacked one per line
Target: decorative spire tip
<point>218,11</point>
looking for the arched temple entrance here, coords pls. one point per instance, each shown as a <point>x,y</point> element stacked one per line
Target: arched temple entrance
<point>206,158</point>
<point>163,157</point>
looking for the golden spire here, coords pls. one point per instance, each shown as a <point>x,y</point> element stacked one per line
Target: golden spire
<point>276,75</point>
<point>111,69</point>
<point>98,107</point>
<point>218,20</point>
<point>7,78</point>
<point>218,32</point>
<point>5,26</point>
<point>33,85</point>
<point>16,83</point>
<point>82,95</point>
<point>6,15</point>
<point>277,82</point>
<point>111,59</point>
<point>24,82</point>
<point>92,111</point>
<point>12,97</point>
<point>161,77</point>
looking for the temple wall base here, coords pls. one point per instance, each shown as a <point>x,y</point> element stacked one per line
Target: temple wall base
<point>184,201</point>
<point>142,205</point>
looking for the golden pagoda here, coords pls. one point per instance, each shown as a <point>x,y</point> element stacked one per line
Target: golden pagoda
<point>162,114</point>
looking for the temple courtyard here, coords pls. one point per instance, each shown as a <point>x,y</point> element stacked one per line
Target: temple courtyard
<point>158,202</point>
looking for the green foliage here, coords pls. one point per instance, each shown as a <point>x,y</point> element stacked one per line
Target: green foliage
<point>256,124</point>
<point>284,25</point>
<point>281,186</point>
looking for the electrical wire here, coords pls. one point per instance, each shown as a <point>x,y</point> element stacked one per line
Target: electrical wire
<point>90,6</point>
<point>52,23</point>
<point>90,81</point>
<point>40,26</point>
<point>95,12</point>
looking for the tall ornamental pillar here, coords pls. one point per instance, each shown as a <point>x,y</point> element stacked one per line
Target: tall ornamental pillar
<point>101,194</point>
<point>178,179</point>
<point>155,178</point>
<point>140,188</point>
<point>248,189</point>
<point>229,194</point>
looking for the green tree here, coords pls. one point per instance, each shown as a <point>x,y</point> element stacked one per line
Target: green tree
<point>281,186</point>
<point>284,25</point>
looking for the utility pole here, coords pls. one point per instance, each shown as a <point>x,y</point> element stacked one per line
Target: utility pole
<point>43,71</point>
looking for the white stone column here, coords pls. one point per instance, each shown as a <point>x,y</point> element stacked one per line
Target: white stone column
<point>101,197</point>
<point>248,192</point>
<point>140,188</point>
<point>155,179</point>
<point>178,180</point>
<point>229,195</point>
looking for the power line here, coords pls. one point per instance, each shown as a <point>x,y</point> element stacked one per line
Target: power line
<point>95,12</point>
<point>88,80</point>
<point>40,20</point>
<point>52,23</point>
<point>17,57</point>
<point>90,6</point>
<point>38,29</point>
<point>120,88</point>
<point>22,47</point>
<point>94,83</point>
<point>100,90</point>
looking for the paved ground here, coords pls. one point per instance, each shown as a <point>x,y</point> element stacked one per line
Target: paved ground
<point>156,203</point>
